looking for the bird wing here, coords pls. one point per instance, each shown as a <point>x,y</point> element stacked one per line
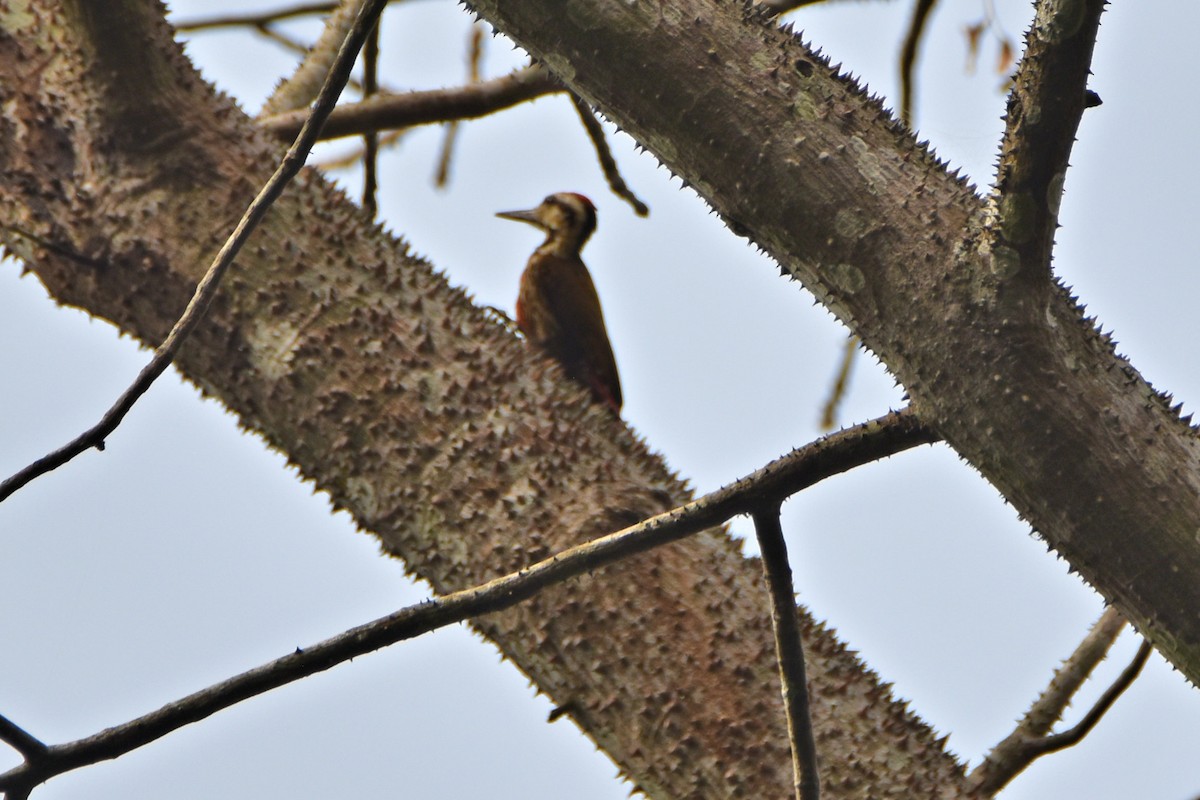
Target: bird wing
<point>574,331</point>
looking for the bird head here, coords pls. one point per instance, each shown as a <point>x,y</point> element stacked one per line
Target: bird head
<point>568,218</point>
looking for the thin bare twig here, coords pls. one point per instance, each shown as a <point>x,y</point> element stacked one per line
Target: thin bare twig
<point>441,175</point>
<point>292,161</point>
<point>370,139</point>
<point>474,55</point>
<point>789,649</point>
<point>908,57</point>
<point>829,412</point>
<point>297,46</point>
<point>352,157</point>
<point>1031,739</point>
<point>794,472</point>
<point>420,108</point>
<point>1075,734</point>
<point>595,132</point>
<point>292,46</point>
<point>254,19</point>
<point>27,745</point>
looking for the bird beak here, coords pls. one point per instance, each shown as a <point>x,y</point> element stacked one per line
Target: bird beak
<point>529,216</point>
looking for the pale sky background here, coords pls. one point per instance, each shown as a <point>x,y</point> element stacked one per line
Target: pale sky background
<point>186,552</point>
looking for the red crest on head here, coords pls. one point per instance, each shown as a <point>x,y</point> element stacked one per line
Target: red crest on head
<point>583,199</point>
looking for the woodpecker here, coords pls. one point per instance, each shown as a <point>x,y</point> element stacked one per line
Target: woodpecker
<point>557,305</point>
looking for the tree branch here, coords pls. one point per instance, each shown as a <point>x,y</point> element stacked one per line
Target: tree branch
<point>470,457</point>
<point>254,20</point>
<point>1044,109</point>
<point>1074,735</point>
<point>27,745</point>
<point>297,91</point>
<point>420,108</point>
<point>908,57</point>
<point>474,53</point>
<point>370,56</point>
<point>799,469</point>
<point>841,380</point>
<point>612,174</point>
<point>351,158</point>
<point>789,649</point>
<point>1029,740</point>
<point>206,289</point>
<point>797,158</point>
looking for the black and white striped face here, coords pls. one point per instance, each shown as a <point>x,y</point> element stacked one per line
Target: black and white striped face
<point>569,219</point>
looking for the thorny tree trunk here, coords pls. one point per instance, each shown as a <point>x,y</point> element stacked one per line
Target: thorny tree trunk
<point>954,296</point>
<point>441,435</point>
<point>432,425</point>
